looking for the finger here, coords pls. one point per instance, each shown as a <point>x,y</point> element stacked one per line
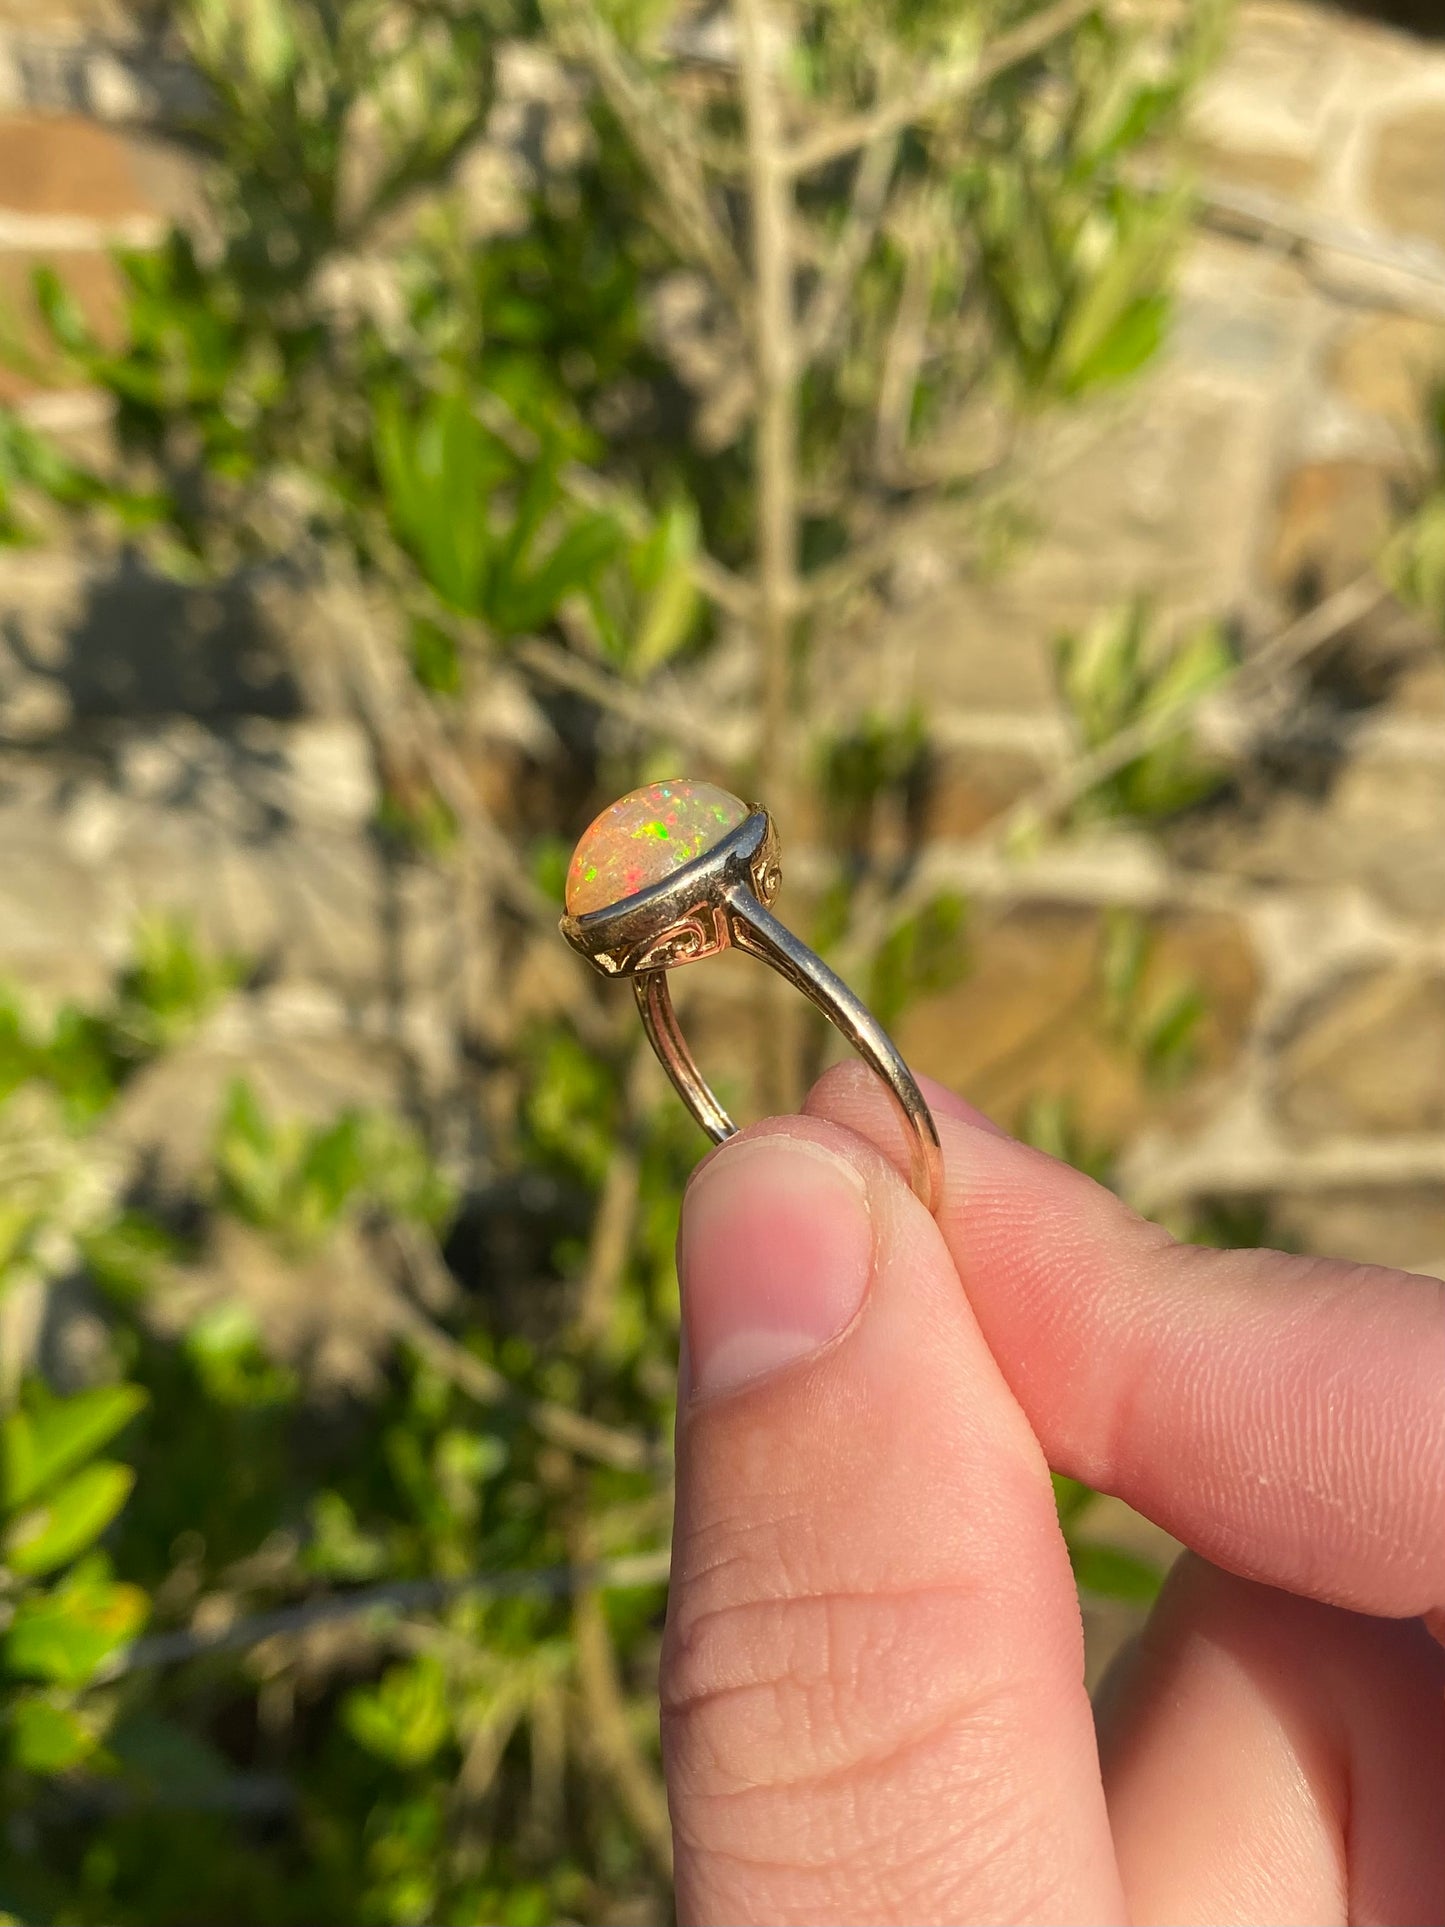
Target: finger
<point>1283,1416</point>
<point>872,1680</point>
<point>1270,1758</point>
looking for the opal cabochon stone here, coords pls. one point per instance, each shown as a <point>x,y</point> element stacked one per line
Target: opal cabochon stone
<point>645,837</point>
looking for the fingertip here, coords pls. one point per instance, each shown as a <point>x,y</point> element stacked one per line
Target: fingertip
<point>775,1253</point>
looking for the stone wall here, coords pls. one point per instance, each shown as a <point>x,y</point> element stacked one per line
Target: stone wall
<point>158,748</point>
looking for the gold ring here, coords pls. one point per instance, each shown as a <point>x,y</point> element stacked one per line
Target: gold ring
<point>678,871</point>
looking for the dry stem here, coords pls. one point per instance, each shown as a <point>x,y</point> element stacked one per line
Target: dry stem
<point>775,375</point>
<point>928,98</point>
<point>609,1733</point>
<point>606,1444</point>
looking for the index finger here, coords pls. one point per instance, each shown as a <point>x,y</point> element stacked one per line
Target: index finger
<point>1284,1416</point>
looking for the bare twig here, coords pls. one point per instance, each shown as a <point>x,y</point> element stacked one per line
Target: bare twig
<point>907,340</point>
<point>775,373</point>
<point>829,301</point>
<point>575,1430</point>
<point>636,1570</point>
<point>875,550</point>
<point>665,144</point>
<point>1231,207</point>
<point>1057,793</point>
<point>615,1218</point>
<point>609,1733</point>
<point>642,708</point>
<point>930,97</point>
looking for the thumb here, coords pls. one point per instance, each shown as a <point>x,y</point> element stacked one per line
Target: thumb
<point>872,1681</point>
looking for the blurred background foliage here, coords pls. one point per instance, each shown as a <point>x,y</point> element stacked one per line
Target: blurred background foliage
<point>764,292</point>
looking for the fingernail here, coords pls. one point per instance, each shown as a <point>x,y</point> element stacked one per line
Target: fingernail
<point>774,1256</point>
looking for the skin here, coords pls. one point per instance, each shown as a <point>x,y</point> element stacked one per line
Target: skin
<point>872,1682</point>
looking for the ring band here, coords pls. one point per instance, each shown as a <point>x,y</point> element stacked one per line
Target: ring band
<point>696,872</point>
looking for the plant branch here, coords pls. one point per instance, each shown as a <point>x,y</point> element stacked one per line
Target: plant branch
<point>1048,800</point>
<point>829,301</point>
<point>635,1570</point>
<point>665,144</point>
<point>642,708</point>
<point>615,1219</point>
<point>1313,630</point>
<point>775,371</point>
<point>930,97</point>
<point>588,1437</point>
<point>907,340</point>
<point>609,1732</point>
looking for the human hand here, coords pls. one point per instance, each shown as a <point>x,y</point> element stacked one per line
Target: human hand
<point>872,1682</point>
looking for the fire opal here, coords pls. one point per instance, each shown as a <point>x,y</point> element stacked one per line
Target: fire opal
<point>643,838</point>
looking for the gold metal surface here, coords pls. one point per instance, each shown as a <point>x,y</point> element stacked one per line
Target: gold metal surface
<point>719,900</point>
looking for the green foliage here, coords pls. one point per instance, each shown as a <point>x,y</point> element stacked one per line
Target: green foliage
<point>1119,676</point>
<point>1101,1570</point>
<point>484,436</point>
<point>1160,1026</point>
<point>297,1182</point>
<point>54,1435</point>
<point>405,1717</point>
<point>85,1056</point>
<point>920,955</point>
<point>1074,260</point>
<point>1414,560</point>
<point>1050,1124</point>
<point>57,1498</point>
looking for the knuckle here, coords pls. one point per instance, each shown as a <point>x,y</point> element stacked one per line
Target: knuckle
<point>809,1722</point>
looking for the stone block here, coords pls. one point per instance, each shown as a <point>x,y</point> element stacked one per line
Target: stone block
<point>167,1117</point>
<point>1278,88</point>
<point>94,285</point>
<point>1400,1225</point>
<point>968,789</point>
<point>68,16</point>
<point>304,905</point>
<point>1378,823</point>
<point>1029,1019</point>
<point>101,58</point>
<point>113,640</point>
<point>1367,1056</point>
<point>61,922</point>
<point>1387,365</point>
<point>1406,183</point>
<point>67,165</point>
<point>1332,521</point>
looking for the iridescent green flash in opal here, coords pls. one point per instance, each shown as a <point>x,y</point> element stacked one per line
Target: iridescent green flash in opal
<point>644,837</point>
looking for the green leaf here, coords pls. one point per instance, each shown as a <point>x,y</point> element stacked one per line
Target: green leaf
<point>663,570</point>
<point>1112,1573</point>
<point>62,314</point>
<point>47,1440</point>
<point>1071,1497</point>
<point>63,1635</point>
<point>405,1718</point>
<point>127,1256</point>
<point>1133,339</point>
<point>518,604</point>
<point>71,1519</point>
<point>45,1738</point>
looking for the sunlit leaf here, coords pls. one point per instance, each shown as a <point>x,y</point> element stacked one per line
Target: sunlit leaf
<point>63,1635</point>
<point>73,1517</point>
<point>51,1437</point>
<point>45,1737</point>
<point>1111,1573</point>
